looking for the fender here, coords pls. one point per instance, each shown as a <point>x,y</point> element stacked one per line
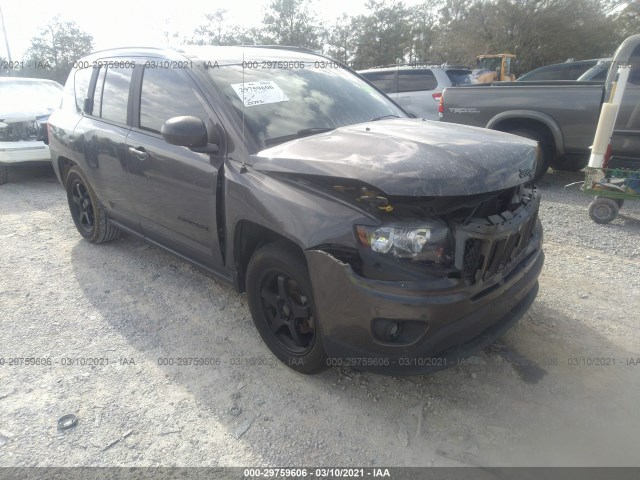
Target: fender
<point>532,115</point>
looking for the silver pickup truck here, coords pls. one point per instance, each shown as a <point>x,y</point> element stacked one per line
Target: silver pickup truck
<point>561,116</point>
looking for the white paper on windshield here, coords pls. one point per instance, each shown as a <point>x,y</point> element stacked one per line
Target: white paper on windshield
<point>259,93</point>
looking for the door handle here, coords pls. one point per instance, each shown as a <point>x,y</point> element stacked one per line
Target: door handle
<point>139,152</point>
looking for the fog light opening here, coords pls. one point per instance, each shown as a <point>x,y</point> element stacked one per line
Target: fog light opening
<point>392,331</point>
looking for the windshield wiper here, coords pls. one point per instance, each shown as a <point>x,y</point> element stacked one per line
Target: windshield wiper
<point>305,132</point>
<point>374,119</point>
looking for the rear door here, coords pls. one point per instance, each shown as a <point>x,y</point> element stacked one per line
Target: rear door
<point>173,188</point>
<point>102,134</point>
<point>415,92</point>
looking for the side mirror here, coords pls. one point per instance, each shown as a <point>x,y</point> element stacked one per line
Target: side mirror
<point>188,132</point>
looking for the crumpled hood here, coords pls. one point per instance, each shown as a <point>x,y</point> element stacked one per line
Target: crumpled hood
<point>409,157</point>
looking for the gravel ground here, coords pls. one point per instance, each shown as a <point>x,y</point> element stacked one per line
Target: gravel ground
<point>523,401</point>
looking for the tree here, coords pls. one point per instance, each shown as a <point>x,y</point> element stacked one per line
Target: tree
<point>292,22</point>
<point>52,53</point>
<point>218,31</point>
<point>627,20</point>
<point>341,40</point>
<point>539,32</point>
<point>383,37</point>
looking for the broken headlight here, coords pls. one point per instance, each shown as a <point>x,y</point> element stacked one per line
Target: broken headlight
<point>429,243</point>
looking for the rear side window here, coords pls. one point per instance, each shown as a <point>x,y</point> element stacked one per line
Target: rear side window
<point>81,80</point>
<point>385,81</point>
<point>416,80</point>
<point>166,94</point>
<point>115,94</point>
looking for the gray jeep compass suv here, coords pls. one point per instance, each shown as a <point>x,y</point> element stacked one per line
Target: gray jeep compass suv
<point>361,236</point>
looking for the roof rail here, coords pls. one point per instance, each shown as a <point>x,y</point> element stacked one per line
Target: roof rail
<point>282,47</point>
<point>425,64</point>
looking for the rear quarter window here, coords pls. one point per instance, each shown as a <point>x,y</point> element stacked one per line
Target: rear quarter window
<point>416,80</point>
<point>461,77</point>
<point>81,81</point>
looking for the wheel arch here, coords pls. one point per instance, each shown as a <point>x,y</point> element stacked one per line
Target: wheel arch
<point>64,165</point>
<point>533,120</point>
<point>248,237</point>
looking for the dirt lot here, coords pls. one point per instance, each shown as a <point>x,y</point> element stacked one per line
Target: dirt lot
<point>535,398</point>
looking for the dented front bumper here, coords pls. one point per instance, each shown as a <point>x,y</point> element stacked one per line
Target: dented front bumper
<point>448,319</point>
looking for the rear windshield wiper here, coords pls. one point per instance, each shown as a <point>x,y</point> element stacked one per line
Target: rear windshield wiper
<point>305,132</point>
<point>374,119</point>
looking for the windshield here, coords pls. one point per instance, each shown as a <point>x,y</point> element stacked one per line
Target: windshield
<point>282,104</point>
<point>27,96</point>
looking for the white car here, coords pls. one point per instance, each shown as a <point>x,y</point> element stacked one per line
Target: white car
<point>417,88</point>
<point>25,106</point>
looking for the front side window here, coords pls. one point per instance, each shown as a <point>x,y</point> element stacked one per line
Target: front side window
<point>115,94</point>
<point>166,94</point>
<point>416,80</point>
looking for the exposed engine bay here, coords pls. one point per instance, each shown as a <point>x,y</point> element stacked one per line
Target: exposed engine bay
<point>23,130</point>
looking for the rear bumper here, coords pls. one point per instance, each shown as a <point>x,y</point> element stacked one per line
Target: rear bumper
<point>456,320</point>
<point>23,153</point>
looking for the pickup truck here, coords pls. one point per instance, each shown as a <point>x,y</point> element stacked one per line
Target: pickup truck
<point>561,115</point>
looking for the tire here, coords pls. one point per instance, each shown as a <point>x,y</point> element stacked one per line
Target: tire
<point>570,163</point>
<point>88,215</point>
<point>3,175</point>
<point>281,303</point>
<point>603,210</point>
<point>546,150</point>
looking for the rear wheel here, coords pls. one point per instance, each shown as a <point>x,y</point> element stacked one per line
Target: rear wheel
<point>88,215</point>
<point>3,175</point>
<point>281,304</point>
<point>546,148</point>
<point>603,210</point>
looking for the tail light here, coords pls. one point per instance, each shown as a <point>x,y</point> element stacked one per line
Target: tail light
<point>441,106</point>
<point>436,96</point>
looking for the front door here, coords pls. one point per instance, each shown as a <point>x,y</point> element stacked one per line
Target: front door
<point>173,188</point>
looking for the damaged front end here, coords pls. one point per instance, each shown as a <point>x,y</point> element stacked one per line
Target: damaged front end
<point>23,140</point>
<point>472,238</point>
<point>432,282</point>
<point>27,130</point>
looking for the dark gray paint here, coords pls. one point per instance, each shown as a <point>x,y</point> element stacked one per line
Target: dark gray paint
<point>194,205</point>
<point>408,157</point>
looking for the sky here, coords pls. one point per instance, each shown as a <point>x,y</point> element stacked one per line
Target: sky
<point>118,23</point>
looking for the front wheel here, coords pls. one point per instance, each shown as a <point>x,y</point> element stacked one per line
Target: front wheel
<point>88,215</point>
<point>281,304</point>
<point>603,210</point>
<point>3,175</point>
